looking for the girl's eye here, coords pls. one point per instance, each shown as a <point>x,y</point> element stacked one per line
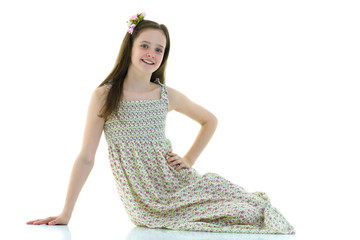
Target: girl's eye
<point>146,46</point>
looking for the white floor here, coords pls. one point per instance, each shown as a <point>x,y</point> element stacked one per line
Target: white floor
<point>136,233</point>
<point>120,228</point>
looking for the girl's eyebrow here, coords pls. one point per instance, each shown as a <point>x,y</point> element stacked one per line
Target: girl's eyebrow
<point>150,43</point>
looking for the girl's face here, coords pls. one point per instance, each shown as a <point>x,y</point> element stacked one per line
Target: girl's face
<point>148,50</point>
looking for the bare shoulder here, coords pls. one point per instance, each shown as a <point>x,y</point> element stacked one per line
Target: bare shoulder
<point>99,96</point>
<point>101,91</point>
<point>174,97</point>
<point>179,102</point>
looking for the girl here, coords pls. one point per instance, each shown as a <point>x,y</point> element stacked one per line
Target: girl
<point>158,188</point>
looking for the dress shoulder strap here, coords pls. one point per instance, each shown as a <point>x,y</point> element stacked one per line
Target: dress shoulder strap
<point>109,84</point>
<point>164,92</point>
<point>157,80</point>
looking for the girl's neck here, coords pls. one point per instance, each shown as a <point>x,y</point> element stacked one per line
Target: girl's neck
<point>135,81</point>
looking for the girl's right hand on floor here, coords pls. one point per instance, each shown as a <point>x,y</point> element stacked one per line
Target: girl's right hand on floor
<point>60,220</point>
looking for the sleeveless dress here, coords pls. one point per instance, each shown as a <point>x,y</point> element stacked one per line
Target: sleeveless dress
<point>155,195</point>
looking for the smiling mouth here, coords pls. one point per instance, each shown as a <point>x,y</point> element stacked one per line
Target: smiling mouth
<point>148,63</point>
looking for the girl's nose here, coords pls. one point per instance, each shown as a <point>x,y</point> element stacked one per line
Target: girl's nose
<point>149,55</point>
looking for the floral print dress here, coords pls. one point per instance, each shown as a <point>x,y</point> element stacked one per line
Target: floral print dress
<point>155,195</point>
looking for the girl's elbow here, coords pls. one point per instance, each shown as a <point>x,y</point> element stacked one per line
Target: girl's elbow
<point>214,119</point>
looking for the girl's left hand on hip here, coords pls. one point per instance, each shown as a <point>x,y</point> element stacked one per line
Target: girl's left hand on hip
<point>178,161</point>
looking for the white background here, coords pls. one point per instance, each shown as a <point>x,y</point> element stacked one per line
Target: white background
<point>282,77</point>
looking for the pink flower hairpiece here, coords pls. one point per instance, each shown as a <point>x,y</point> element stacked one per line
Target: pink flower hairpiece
<point>134,20</point>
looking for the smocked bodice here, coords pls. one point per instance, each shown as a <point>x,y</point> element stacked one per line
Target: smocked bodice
<point>139,119</point>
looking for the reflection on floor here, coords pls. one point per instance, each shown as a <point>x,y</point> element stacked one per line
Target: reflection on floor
<point>141,233</point>
<point>62,232</point>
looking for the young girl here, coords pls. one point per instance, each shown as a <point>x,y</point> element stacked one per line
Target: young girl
<point>158,188</point>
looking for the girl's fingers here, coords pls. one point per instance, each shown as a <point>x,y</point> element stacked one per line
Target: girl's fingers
<point>179,167</point>
<point>171,159</point>
<point>174,156</point>
<point>41,221</point>
<point>32,221</point>
<point>175,162</point>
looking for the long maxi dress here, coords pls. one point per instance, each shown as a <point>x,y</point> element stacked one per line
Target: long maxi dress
<point>155,195</point>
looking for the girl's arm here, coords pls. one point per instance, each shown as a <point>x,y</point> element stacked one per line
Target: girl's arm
<point>180,103</point>
<point>86,158</point>
<point>84,161</point>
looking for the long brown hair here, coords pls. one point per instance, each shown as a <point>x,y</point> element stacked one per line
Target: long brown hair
<point>119,72</point>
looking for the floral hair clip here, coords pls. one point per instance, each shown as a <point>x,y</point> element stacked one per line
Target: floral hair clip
<point>134,21</point>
